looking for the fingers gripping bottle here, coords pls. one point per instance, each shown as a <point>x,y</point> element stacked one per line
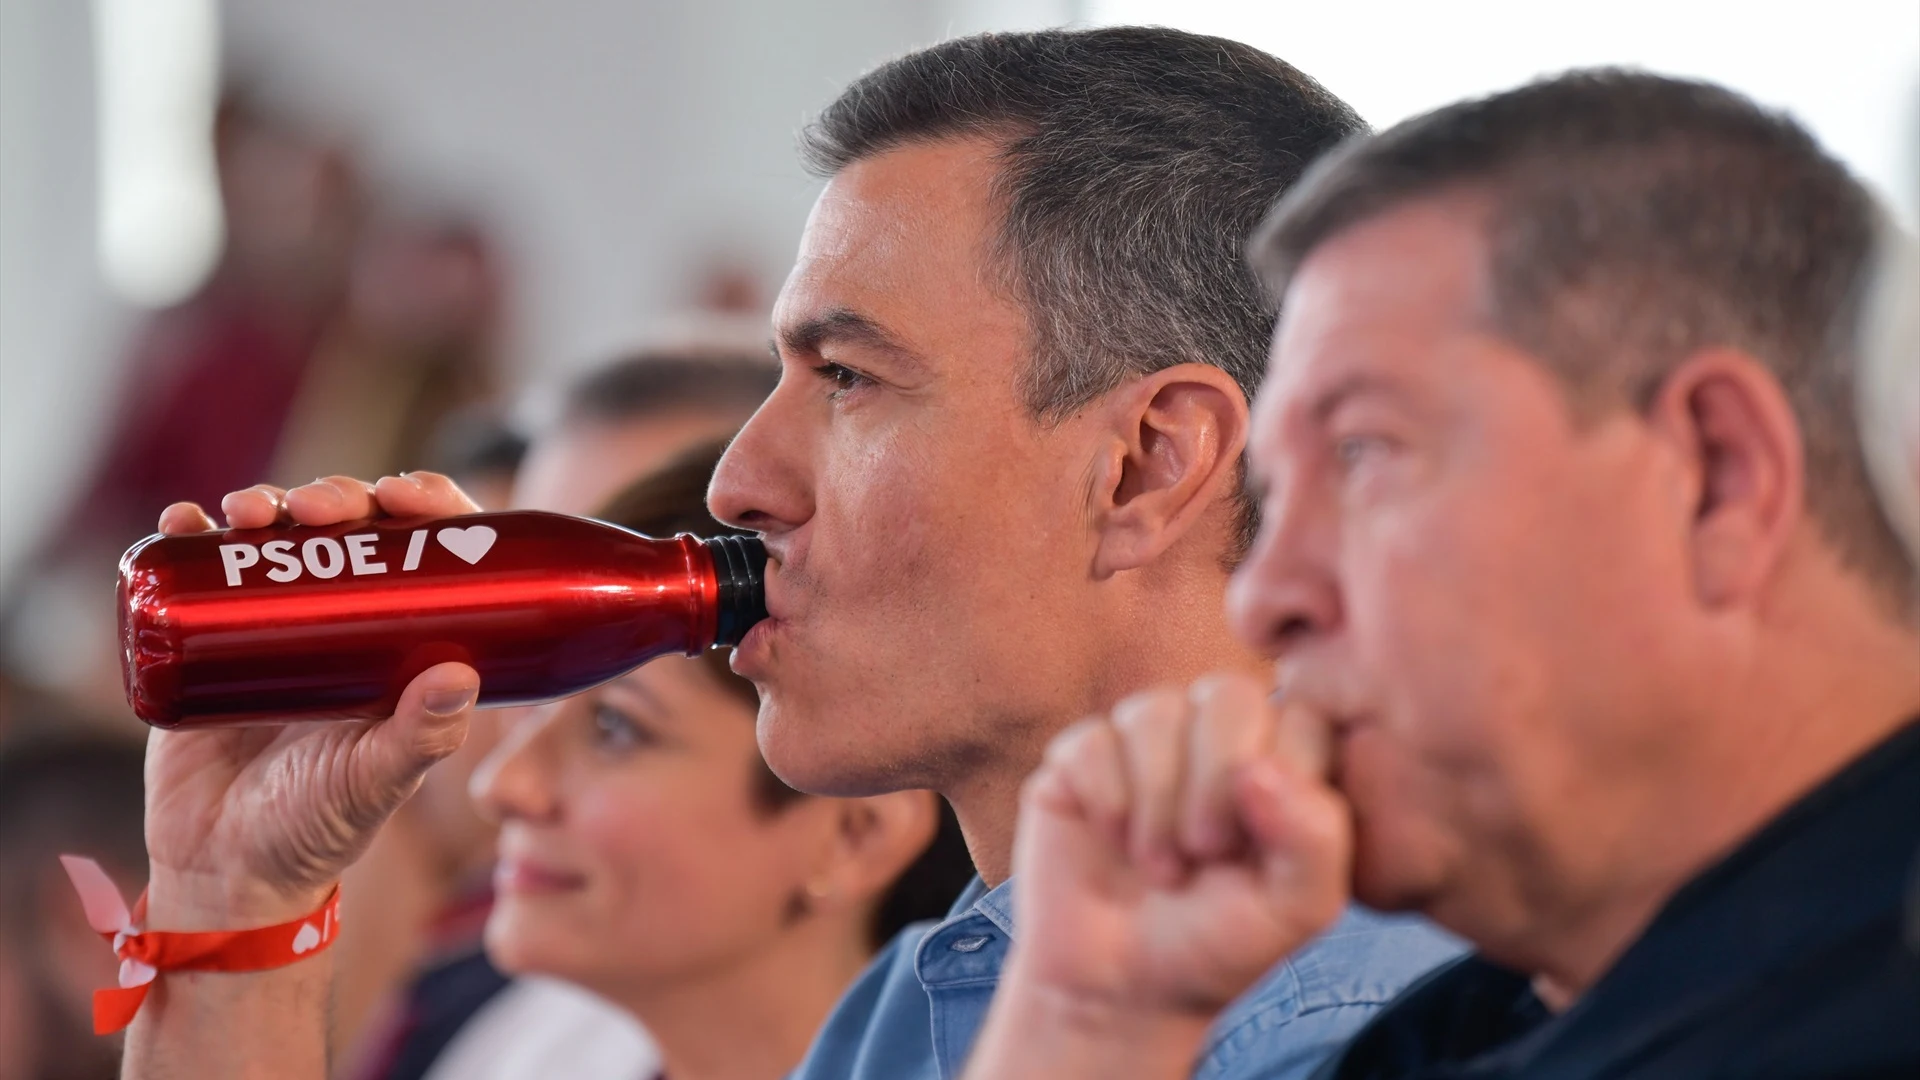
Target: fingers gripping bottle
<point>263,625</point>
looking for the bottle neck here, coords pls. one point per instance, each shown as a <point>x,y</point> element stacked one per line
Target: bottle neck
<point>739,568</point>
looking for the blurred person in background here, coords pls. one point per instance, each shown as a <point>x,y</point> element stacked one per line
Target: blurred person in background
<point>59,796</point>
<point>206,388</point>
<point>1000,486</point>
<point>416,339</point>
<point>631,416</point>
<point>209,384</point>
<point>412,974</point>
<point>482,452</point>
<point>649,855</point>
<point>30,711</point>
<point>330,338</point>
<point>1596,645</point>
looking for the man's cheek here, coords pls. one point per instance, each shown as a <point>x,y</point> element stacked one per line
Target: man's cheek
<point>894,506</point>
<point>1415,642</point>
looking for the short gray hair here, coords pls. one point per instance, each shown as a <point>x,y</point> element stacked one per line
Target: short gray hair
<point>1634,219</point>
<point>1135,161</point>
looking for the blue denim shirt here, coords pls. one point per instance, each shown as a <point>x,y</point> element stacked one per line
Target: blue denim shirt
<point>915,1011</point>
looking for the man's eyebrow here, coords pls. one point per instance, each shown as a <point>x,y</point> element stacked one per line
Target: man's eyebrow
<point>1347,388</point>
<point>842,325</point>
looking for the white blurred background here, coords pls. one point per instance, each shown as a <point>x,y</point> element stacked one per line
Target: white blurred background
<point>630,161</point>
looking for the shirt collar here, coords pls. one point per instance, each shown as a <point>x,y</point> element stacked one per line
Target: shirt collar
<point>995,904</point>
<point>1824,869</point>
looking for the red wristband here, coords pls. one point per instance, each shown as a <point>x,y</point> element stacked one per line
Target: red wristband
<point>146,953</point>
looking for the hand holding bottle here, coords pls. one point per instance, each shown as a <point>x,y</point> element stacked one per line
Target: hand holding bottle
<point>250,826</point>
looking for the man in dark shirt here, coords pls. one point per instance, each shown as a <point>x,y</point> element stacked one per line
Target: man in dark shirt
<point>1782,960</point>
<point>1594,644</point>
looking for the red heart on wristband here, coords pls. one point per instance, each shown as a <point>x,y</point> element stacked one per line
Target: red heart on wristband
<point>145,954</point>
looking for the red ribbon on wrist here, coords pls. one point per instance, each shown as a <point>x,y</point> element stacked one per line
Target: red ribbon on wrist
<point>144,954</point>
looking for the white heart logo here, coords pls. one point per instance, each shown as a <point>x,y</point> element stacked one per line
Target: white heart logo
<point>471,543</point>
<point>306,939</point>
<point>135,973</point>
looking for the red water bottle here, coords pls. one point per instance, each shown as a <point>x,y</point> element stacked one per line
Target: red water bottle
<point>332,622</point>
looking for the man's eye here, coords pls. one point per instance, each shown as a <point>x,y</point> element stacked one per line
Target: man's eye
<point>842,379</point>
<point>615,730</point>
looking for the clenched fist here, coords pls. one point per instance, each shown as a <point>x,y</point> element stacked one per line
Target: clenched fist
<point>250,826</point>
<point>1167,856</point>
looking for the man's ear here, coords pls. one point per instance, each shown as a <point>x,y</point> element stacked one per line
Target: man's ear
<point>1173,453</point>
<point>1730,419</point>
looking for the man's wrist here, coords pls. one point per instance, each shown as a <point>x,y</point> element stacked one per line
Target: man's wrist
<point>1054,1031</point>
<point>195,900</point>
<point>234,1024</point>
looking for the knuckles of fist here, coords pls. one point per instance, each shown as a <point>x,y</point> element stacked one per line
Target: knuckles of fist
<point>1161,778</point>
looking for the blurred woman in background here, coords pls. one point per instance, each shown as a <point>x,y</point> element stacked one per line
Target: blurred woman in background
<point>648,854</point>
<point>412,978</point>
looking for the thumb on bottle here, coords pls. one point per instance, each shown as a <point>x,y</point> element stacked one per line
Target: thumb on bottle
<point>431,720</point>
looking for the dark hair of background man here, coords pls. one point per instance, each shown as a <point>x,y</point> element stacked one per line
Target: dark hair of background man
<point>673,500</point>
<point>655,382</point>
<point>476,441</point>
<point>1135,162</point>
<point>1633,220</point>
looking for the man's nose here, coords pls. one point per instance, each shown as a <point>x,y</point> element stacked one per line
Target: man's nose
<point>1284,594</point>
<point>764,481</point>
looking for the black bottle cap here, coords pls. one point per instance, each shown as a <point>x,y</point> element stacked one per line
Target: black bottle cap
<point>739,566</point>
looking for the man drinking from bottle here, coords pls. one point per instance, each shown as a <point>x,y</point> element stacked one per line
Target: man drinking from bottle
<point>1000,487</point>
